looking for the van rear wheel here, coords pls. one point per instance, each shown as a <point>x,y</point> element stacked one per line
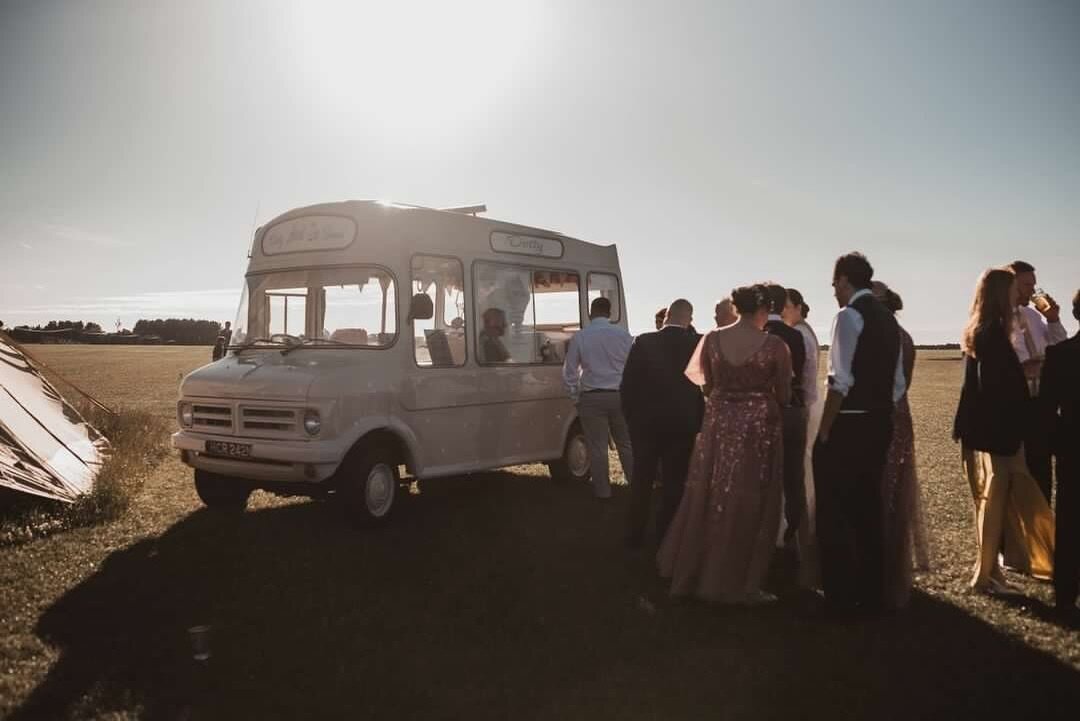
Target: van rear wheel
<point>370,486</point>
<point>574,464</point>
<point>221,492</point>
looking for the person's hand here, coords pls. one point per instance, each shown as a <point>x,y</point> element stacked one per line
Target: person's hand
<point>1053,312</point>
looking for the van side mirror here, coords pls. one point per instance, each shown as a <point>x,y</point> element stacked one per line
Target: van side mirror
<point>421,307</point>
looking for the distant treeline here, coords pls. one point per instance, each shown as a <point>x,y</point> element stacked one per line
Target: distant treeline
<point>939,346</point>
<point>76,325</point>
<point>180,330</point>
<point>184,331</point>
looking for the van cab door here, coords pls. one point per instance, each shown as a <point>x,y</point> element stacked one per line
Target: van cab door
<point>438,388</point>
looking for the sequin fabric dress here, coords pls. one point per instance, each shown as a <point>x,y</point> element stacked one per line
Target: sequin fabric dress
<point>722,538</point>
<point>903,521</point>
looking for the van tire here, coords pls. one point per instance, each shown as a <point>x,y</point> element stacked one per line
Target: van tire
<point>370,486</point>
<point>574,464</point>
<point>222,493</point>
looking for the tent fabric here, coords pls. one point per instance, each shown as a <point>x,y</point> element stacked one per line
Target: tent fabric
<point>46,448</point>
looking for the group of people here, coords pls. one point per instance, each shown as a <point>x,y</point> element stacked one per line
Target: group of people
<point>1019,409</point>
<point>755,465</point>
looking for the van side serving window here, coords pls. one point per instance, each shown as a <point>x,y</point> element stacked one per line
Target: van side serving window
<point>606,285</point>
<point>524,315</point>
<point>343,306</point>
<point>437,311</point>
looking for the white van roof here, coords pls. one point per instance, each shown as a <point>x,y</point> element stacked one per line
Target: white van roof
<point>432,230</point>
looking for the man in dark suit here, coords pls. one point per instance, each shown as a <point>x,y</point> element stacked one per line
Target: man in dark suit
<point>795,417</point>
<point>866,378</point>
<point>664,411</point>
<point>1059,397</point>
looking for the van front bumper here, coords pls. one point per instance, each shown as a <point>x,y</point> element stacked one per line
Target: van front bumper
<point>270,461</point>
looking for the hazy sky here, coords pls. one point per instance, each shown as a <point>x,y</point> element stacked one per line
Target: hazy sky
<point>716,143</point>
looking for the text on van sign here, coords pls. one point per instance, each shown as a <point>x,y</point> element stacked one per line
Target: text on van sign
<point>526,245</point>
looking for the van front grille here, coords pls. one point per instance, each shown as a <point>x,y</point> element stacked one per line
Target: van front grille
<point>212,417</point>
<point>274,421</point>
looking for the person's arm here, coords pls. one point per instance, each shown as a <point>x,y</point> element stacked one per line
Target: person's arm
<point>572,367</point>
<point>809,379</point>
<point>907,347</point>
<point>782,380</point>
<point>899,387</point>
<point>845,336</point>
<point>1055,332</point>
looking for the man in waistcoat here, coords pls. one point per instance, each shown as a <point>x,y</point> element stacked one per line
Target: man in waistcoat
<point>866,378</point>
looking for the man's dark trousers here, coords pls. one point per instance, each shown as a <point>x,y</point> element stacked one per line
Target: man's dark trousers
<point>1037,452</point>
<point>1067,531</point>
<point>847,483</point>
<point>672,451</point>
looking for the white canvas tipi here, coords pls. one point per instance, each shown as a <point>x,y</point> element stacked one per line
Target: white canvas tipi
<point>46,448</point>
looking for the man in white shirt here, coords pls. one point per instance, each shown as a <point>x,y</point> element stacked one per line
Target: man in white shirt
<point>592,373</point>
<point>866,378</point>
<point>1033,331</point>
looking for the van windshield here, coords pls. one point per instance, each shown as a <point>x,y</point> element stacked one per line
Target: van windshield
<point>353,307</point>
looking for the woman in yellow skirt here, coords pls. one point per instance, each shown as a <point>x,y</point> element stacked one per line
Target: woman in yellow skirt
<point>990,424</point>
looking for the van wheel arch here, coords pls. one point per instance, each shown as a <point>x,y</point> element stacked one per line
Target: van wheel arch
<point>573,465</point>
<point>369,482</point>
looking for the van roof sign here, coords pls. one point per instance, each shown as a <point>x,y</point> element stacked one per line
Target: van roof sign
<point>526,245</point>
<point>309,232</point>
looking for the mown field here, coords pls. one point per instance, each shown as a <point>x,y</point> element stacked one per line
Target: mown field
<point>499,595</point>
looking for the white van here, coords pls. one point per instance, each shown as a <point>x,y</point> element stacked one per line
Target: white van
<point>374,336</point>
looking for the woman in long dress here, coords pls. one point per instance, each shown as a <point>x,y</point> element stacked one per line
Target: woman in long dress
<point>721,541</point>
<point>990,422</point>
<point>809,565</point>
<point>903,522</point>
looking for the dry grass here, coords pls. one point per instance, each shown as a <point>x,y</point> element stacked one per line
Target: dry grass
<point>493,596</point>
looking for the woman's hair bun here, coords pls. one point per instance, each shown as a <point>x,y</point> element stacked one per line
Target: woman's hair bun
<point>749,298</point>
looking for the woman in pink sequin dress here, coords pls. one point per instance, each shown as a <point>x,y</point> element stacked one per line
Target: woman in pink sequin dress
<point>903,522</point>
<point>722,538</point>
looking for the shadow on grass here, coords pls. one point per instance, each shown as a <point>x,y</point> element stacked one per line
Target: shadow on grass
<point>492,596</point>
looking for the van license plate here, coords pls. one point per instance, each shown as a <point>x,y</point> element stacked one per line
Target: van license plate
<point>232,450</point>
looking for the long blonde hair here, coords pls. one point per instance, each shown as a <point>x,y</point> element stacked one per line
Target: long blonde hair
<point>992,304</point>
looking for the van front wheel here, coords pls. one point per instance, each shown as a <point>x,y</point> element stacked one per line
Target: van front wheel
<point>574,464</point>
<point>221,492</point>
<point>370,486</point>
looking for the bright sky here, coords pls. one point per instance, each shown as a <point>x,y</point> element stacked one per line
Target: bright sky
<point>716,143</point>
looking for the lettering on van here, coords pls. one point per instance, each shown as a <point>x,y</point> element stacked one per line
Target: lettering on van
<point>311,232</point>
<point>526,245</point>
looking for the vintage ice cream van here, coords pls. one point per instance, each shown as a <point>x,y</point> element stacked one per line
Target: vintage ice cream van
<point>377,341</point>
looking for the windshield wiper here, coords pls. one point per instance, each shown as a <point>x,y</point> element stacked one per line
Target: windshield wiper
<point>251,343</point>
<point>310,342</point>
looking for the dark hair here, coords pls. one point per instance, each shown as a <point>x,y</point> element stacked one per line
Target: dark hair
<point>777,297</point>
<point>893,301</point>
<point>600,307</point>
<point>1076,305</point>
<point>856,268</point>
<point>749,298</point>
<point>888,297</point>
<point>1020,266</point>
<point>796,299</point>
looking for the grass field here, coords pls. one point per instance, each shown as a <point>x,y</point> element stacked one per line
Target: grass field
<point>499,595</point>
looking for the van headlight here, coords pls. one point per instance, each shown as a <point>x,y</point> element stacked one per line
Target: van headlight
<point>312,422</point>
<point>184,414</point>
